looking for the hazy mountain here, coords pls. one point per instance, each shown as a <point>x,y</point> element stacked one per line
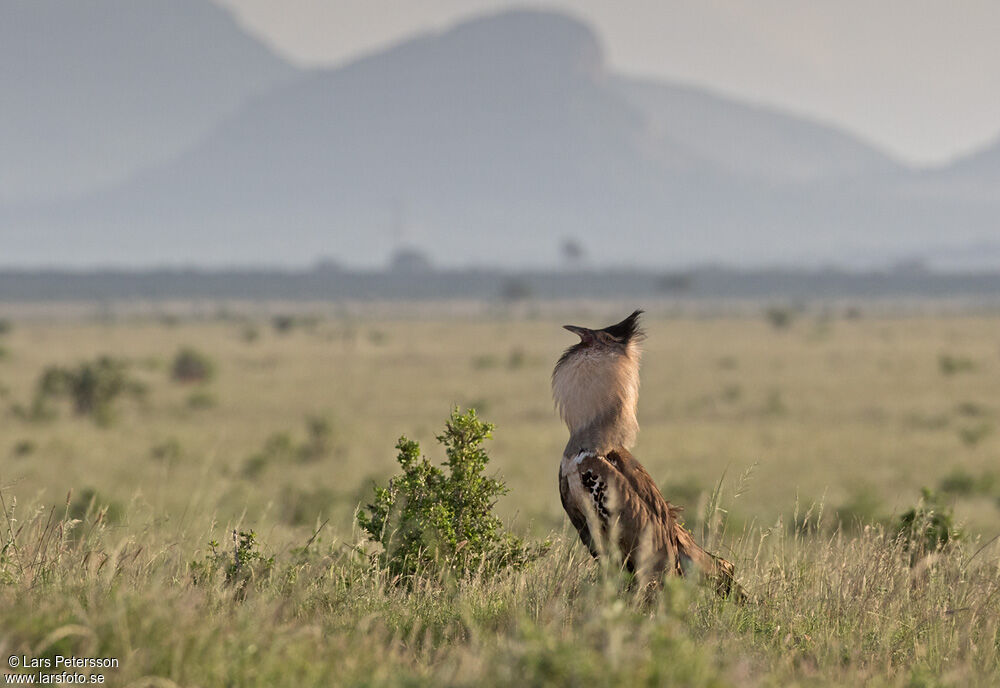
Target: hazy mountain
<point>490,143</point>
<point>93,90</point>
<point>974,179</point>
<point>752,141</point>
<point>982,167</point>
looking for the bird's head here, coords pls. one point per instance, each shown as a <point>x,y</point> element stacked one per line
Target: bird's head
<point>612,340</point>
<point>597,379</point>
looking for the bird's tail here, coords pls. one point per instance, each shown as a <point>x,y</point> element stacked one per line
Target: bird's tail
<point>691,557</point>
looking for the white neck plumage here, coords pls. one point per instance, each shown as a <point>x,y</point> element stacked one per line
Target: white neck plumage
<point>596,393</point>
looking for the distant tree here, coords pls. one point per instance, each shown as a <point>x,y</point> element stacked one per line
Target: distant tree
<point>911,266</point>
<point>92,387</point>
<point>327,266</point>
<point>515,289</point>
<point>572,251</point>
<point>191,366</point>
<point>674,281</point>
<point>780,317</point>
<point>410,260</point>
<point>283,323</point>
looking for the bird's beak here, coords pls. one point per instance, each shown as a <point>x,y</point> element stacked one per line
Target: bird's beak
<point>586,336</point>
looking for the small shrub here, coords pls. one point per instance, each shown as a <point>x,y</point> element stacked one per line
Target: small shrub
<point>961,483</point>
<point>277,448</point>
<point>779,317</point>
<point>516,359</point>
<point>39,410</point>
<point>319,439</point>
<point>92,388</point>
<point>732,393</point>
<point>168,451</point>
<point>5,326</point>
<point>280,447</point>
<point>200,400</point>
<point>242,566</point>
<point>249,333</point>
<point>958,482</point>
<point>484,362</point>
<point>516,289</point>
<point>952,365</point>
<point>24,448</point>
<point>675,282</point>
<point>190,365</point>
<point>775,405</point>
<point>428,518</point>
<point>728,363</point>
<point>283,324</point>
<point>928,527</point>
<point>971,409</point>
<point>974,434</point>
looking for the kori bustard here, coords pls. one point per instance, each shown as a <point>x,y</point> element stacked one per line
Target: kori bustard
<point>609,497</point>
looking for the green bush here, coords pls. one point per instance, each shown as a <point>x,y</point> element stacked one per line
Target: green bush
<point>92,387</point>
<point>779,317</point>
<point>278,448</point>
<point>200,400</point>
<point>961,483</point>
<point>283,324</point>
<point>281,447</point>
<point>191,366</point>
<point>952,365</point>
<point>168,451</point>
<point>928,527</point>
<point>319,439</point>
<point>244,565</point>
<point>428,519</point>
<point>972,435</point>
<point>24,448</point>
<point>249,333</point>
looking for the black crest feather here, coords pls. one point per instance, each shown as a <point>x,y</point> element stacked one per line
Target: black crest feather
<point>627,330</point>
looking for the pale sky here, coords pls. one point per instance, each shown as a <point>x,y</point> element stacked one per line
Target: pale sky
<point>918,78</point>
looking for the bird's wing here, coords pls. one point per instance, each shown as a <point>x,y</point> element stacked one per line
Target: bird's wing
<point>642,482</point>
<point>623,494</point>
<point>601,499</point>
<point>690,555</point>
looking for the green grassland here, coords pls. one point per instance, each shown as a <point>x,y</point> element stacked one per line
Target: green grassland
<point>820,430</point>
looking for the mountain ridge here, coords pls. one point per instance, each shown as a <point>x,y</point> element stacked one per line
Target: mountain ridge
<point>496,140</point>
<point>96,90</point>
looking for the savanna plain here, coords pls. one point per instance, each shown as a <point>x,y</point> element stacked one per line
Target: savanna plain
<point>194,516</point>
